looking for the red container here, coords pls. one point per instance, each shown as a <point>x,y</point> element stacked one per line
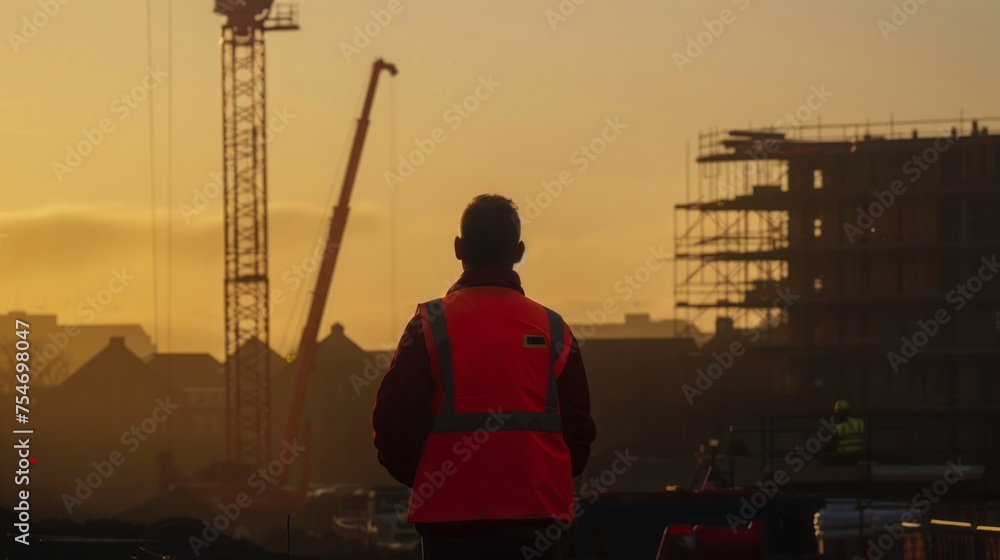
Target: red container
<point>683,542</point>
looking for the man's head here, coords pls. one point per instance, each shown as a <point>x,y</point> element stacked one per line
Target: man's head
<point>490,233</point>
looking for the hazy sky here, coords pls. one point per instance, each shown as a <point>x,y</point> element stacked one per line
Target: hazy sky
<point>556,83</point>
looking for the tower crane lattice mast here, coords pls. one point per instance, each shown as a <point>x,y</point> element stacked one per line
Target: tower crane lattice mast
<point>244,107</point>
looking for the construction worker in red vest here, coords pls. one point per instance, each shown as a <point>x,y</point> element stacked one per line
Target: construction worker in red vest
<point>485,410</point>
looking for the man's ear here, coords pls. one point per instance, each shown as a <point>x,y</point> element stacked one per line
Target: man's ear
<point>459,249</point>
<point>519,252</point>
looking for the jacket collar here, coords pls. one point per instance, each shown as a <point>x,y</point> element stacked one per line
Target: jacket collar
<point>488,276</point>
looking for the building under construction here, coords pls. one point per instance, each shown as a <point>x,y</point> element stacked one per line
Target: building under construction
<point>863,255</point>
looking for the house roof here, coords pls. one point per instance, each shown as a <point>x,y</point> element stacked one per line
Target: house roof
<point>334,350</point>
<point>188,370</point>
<point>114,365</point>
<point>255,345</point>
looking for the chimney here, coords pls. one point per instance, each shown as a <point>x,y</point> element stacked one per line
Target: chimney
<point>116,342</point>
<point>724,325</point>
<point>337,330</point>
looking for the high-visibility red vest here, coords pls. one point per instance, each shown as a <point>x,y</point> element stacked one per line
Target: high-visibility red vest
<point>496,449</point>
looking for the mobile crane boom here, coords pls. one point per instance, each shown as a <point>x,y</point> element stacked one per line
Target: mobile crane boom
<point>307,346</point>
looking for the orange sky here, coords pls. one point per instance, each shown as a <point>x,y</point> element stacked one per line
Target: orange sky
<point>556,83</point>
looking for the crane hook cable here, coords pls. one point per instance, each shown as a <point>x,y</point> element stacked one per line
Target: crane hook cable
<point>152,174</point>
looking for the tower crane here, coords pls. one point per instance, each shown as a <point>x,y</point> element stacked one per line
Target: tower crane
<point>246,279</point>
<point>246,285</point>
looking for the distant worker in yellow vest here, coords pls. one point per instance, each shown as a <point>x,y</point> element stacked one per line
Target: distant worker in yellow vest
<point>850,429</point>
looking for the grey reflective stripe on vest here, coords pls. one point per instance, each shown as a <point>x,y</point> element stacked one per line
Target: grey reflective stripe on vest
<point>498,421</point>
<point>435,316</point>
<point>448,420</point>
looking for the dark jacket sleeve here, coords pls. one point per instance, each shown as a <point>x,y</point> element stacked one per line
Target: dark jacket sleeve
<point>574,406</point>
<point>401,418</point>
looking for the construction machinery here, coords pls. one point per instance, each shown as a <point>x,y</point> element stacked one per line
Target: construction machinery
<point>230,479</point>
<point>244,154</point>
<point>246,284</point>
<point>306,355</point>
<point>246,271</point>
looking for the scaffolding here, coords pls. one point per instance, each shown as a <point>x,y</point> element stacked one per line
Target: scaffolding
<point>730,240</point>
<point>778,212</point>
<point>753,228</point>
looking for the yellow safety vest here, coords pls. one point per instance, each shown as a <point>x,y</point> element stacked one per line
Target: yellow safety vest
<point>850,435</point>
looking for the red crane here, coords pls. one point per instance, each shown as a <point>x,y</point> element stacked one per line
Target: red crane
<point>227,480</point>
<point>307,346</point>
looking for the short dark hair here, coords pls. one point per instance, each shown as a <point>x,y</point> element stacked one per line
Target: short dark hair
<point>491,230</point>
